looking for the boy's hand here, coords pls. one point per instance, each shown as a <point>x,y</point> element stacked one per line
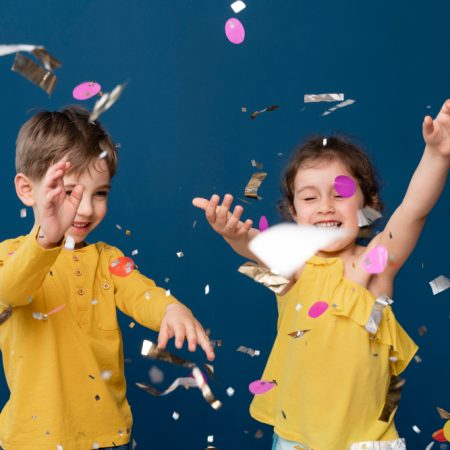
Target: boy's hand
<point>220,218</point>
<point>437,132</point>
<point>56,211</point>
<point>178,322</point>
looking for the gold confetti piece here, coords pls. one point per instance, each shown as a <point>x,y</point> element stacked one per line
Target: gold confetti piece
<point>105,102</point>
<point>132,325</point>
<point>443,413</point>
<point>128,232</point>
<point>422,330</point>
<point>5,314</point>
<point>315,98</point>
<point>251,190</point>
<point>42,78</point>
<point>264,276</point>
<point>257,164</point>
<point>298,334</point>
<point>205,389</point>
<point>151,350</point>
<point>255,114</point>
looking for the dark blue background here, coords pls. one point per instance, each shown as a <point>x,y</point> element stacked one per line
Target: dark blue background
<point>183,134</point>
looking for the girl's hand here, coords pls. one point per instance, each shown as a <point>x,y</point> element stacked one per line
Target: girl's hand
<point>220,218</point>
<point>56,211</point>
<point>437,132</point>
<point>179,322</point>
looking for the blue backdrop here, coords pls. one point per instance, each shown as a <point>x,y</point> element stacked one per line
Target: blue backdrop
<point>182,134</point>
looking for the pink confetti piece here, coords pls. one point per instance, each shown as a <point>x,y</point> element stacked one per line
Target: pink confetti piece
<point>376,260</point>
<point>345,186</point>
<point>263,223</point>
<point>317,309</point>
<point>86,90</point>
<point>259,387</point>
<point>59,308</point>
<point>234,31</point>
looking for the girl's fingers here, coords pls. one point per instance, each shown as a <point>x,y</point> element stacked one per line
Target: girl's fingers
<point>211,209</point>
<point>245,228</point>
<point>233,219</point>
<point>428,125</point>
<point>200,202</point>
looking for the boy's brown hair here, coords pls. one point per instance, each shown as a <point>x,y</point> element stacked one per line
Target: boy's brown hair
<point>336,147</point>
<point>49,136</point>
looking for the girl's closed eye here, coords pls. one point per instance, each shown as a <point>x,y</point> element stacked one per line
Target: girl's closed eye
<point>309,198</point>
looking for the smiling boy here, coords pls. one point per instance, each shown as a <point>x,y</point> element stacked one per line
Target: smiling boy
<point>62,346</point>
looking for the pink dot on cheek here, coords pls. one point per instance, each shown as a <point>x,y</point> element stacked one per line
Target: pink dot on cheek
<point>317,309</point>
<point>344,186</point>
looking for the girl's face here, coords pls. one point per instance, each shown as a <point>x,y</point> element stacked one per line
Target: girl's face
<point>317,203</point>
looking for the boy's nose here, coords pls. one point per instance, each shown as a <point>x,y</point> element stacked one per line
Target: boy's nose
<point>85,209</point>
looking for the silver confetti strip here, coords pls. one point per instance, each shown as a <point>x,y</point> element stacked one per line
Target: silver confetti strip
<point>314,98</point>
<point>377,313</point>
<point>106,101</point>
<point>339,105</point>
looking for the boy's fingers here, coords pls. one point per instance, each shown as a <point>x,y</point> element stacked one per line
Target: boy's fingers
<point>50,196</point>
<point>180,334</point>
<point>163,336</point>
<point>76,195</point>
<point>200,202</point>
<point>204,342</point>
<point>191,336</point>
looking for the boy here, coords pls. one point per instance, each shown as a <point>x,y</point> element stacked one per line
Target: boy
<point>62,346</point>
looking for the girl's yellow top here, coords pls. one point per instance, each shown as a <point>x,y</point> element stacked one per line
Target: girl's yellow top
<point>332,375</point>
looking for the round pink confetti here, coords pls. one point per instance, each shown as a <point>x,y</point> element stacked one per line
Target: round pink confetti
<point>86,90</point>
<point>317,309</point>
<point>345,186</point>
<point>261,387</point>
<point>263,223</point>
<point>376,260</point>
<point>235,31</point>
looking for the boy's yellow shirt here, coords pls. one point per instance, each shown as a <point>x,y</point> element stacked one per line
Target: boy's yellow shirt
<point>66,374</point>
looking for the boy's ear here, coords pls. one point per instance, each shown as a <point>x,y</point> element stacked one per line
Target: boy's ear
<point>24,189</point>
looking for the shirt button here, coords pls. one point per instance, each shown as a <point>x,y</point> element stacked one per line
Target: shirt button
<point>80,292</point>
<point>75,258</point>
<point>105,285</point>
<point>78,273</point>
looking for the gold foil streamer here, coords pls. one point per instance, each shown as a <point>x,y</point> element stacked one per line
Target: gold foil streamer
<point>264,276</point>
<point>5,314</point>
<point>268,109</point>
<point>47,60</point>
<point>106,101</point>
<point>377,313</point>
<point>392,397</point>
<point>251,190</point>
<point>42,78</point>
<point>299,333</point>
<point>151,350</point>
<point>314,98</point>
<point>443,413</point>
<point>206,391</point>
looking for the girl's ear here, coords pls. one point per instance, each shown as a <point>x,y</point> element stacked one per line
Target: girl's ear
<point>24,189</point>
<point>292,212</point>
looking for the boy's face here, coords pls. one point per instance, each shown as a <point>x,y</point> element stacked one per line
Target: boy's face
<point>96,183</point>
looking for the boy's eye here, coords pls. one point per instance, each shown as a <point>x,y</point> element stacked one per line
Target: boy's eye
<point>101,193</point>
<point>68,193</point>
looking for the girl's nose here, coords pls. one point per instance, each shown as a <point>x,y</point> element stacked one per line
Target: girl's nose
<point>326,206</point>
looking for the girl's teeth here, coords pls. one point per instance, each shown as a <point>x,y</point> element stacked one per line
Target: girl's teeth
<point>328,224</point>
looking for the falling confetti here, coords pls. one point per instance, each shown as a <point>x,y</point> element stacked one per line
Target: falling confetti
<point>251,190</point>
<point>271,108</point>
<point>345,186</point>
<point>122,266</point>
<point>376,260</point>
<point>259,387</point>
<point>439,284</point>
<point>339,105</point>
<point>314,98</point>
<point>317,309</point>
<point>238,6</point>
<point>234,30</point>
<point>86,90</point>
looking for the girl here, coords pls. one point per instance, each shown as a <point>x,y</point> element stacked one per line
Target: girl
<point>337,383</point>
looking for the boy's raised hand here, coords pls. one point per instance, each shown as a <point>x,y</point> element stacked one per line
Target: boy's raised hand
<point>56,210</point>
<point>437,132</point>
<point>178,322</point>
<point>220,218</point>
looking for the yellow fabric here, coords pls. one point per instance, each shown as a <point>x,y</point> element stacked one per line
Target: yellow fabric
<point>54,367</point>
<point>332,381</point>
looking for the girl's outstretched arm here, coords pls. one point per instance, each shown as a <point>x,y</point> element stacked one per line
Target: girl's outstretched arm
<point>236,232</point>
<point>406,223</point>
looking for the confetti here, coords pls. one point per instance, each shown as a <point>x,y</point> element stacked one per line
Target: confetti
<point>106,374</point>
<point>105,102</point>
<point>186,382</point>
<point>243,109</point>
<point>298,307</point>
<point>205,389</point>
<point>263,224</point>
<point>376,314</point>
<point>207,289</point>
<point>134,252</point>
<point>175,415</point>
<point>392,397</point>
<point>168,293</point>
<point>439,284</point>
<point>417,359</point>
<point>422,330</point>
<point>156,375</point>
<point>317,309</point>
<point>443,414</point>
<point>5,314</point>
<point>70,242</point>
<point>230,391</point>
<point>132,325</point>
<point>367,216</point>
<point>324,142</point>
<point>299,333</point>
<point>122,266</point>
<point>86,90</point>
<point>314,98</point>
<point>103,154</point>
<point>247,350</point>
<point>238,6</point>
<point>234,30</point>
<point>180,254</point>
<point>151,350</point>
<point>339,105</point>
<point>264,276</point>
<point>416,428</point>
<point>210,439</point>
<point>127,232</point>
<point>259,434</point>
<point>376,260</point>
<point>271,108</point>
<point>259,387</point>
<point>23,213</point>
<point>284,248</point>
<point>345,186</point>
<point>251,190</point>
<point>256,164</point>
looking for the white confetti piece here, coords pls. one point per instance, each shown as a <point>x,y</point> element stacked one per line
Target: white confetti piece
<point>94,301</point>
<point>248,350</point>
<point>439,284</point>
<point>168,293</point>
<point>70,242</point>
<point>284,248</point>
<point>324,142</point>
<point>418,359</point>
<point>429,446</point>
<point>238,6</point>
<point>95,445</point>
<point>23,213</point>
<point>315,98</point>
<point>207,289</point>
<point>175,415</point>
<point>134,252</point>
<point>106,374</point>
<point>230,391</point>
<point>339,105</point>
<point>210,438</point>
<point>416,428</point>
<point>180,254</point>
<point>298,307</point>
<point>118,227</point>
<point>103,154</point>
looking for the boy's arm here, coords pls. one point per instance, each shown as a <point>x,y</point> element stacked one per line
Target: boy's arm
<point>23,268</point>
<point>406,223</point>
<point>140,298</point>
<point>236,233</point>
